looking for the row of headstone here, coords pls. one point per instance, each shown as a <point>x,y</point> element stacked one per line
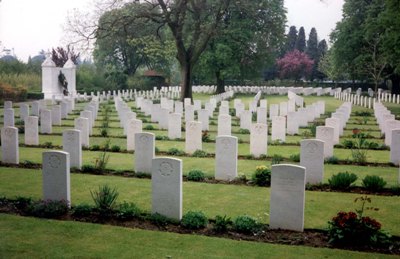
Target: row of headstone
<point>356,99</point>
<point>390,127</point>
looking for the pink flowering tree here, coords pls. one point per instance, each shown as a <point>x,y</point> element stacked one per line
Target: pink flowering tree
<point>295,65</point>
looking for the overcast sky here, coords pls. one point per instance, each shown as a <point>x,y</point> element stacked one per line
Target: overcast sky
<point>29,26</point>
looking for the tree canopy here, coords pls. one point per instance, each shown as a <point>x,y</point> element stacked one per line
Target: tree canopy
<point>366,41</point>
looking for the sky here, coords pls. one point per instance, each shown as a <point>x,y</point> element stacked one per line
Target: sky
<point>28,26</point>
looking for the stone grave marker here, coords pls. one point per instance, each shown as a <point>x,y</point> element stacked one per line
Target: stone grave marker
<point>9,145</point>
<point>258,139</point>
<point>45,121</point>
<point>278,131</point>
<point>56,176</point>
<point>72,144</point>
<point>133,126</point>
<point>287,197</point>
<point>56,115</point>
<point>82,124</point>
<point>193,139</point>
<point>32,130</point>
<point>245,119</point>
<point>224,125</point>
<point>24,111</point>
<point>312,158</point>
<point>326,134</point>
<point>174,125</point>
<point>8,119</point>
<point>395,147</point>
<point>144,152</point>
<point>166,187</point>
<point>226,158</point>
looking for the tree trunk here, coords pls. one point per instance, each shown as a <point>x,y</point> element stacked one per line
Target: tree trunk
<point>220,83</point>
<point>186,81</point>
<point>395,78</point>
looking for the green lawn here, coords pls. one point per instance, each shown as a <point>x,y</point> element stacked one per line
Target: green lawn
<point>212,199</point>
<point>61,239</point>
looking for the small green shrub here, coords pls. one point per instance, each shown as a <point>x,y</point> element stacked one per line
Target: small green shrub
<point>262,176</point>
<point>115,148</point>
<point>347,143</point>
<point>88,169</point>
<point>196,175</point>
<point>82,210</point>
<point>159,220</point>
<point>175,152</point>
<point>332,160</point>
<point>199,153</point>
<point>95,148</point>
<point>22,203</point>
<point>149,127</point>
<point>342,180</point>
<point>276,159</point>
<point>246,225</point>
<point>396,189</point>
<point>205,137</point>
<point>48,144</point>
<point>48,209</point>
<point>295,157</point>
<point>105,198</point>
<point>244,131</point>
<point>104,132</point>
<point>213,123</point>
<point>221,223</point>
<point>127,211</point>
<point>373,183</point>
<point>194,220</point>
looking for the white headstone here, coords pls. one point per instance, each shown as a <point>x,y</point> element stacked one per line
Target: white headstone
<point>193,139</point>
<point>224,125</point>
<point>166,187</point>
<point>287,197</point>
<point>395,147</point>
<point>56,115</point>
<point>335,124</point>
<point>144,152</point>
<point>8,120</point>
<point>9,145</point>
<point>174,125</point>
<point>312,158</point>
<point>258,139</point>
<point>262,115</point>
<point>292,123</point>
<point>56,176</point>
<point>134,126</point>
<point>226,158</point>
<point>72,144</point>
<point>45,121</point>
<point>245,120</point>
<point>203,116</point>
<point>326,134</point>
<point>32,130</point>
<point>24,111</point>
<point>189,113</point>
<point>82,124</point>
<point>278,130</point>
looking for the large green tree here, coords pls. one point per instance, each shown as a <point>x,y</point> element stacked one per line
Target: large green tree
<point>366,41</point>
<point>291,40</point>
<point>248,38</point>
<point>301,40</point>
<point>312,50</point>
<point>125,45</point>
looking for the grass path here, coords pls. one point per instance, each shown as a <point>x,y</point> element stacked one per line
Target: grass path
<point>60,239</point>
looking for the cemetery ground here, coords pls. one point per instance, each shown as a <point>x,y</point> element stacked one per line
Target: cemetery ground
<point>211,197</point>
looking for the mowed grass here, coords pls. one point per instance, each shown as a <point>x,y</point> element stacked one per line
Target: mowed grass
<point>212,199</point>
<point>63,239</point>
